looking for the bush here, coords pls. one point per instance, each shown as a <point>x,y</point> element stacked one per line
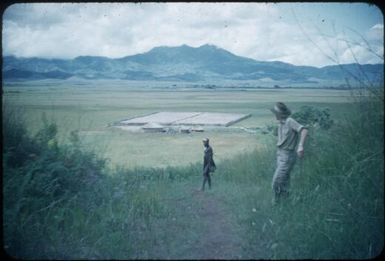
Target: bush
<point>39,176</point>
<point>314,117</point>
<point>60,202</point>
<point>17,146</point>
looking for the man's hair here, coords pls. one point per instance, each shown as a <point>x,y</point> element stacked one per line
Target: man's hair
<point>282,109</point>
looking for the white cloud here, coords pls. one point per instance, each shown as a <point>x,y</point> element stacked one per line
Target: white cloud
<point>254,30</point>
<point>378,26</point>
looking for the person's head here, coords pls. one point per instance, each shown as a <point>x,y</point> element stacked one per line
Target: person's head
<point>205,142</point>
<point>281,111</point>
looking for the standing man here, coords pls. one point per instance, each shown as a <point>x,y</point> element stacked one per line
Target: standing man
<point>208,163</point>
<point>289,132</point>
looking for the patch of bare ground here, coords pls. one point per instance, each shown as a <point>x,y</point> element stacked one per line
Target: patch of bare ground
<point>200,228</point>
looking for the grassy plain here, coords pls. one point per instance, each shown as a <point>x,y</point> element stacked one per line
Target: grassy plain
<point>91,109</point>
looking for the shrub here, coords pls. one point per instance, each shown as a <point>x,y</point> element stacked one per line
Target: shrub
<point>314,117</point>
<point>39,176</point>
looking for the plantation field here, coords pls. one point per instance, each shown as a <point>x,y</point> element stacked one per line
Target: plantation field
<point>92,109</point>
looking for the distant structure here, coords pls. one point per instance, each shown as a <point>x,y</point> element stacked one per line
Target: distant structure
<point>153,127</point>
<point>186,121</point>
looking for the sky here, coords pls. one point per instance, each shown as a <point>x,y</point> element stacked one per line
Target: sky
<point>313,34</point>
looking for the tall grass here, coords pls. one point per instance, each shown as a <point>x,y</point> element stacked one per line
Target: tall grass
<point>336,207</point>
<point>60,201</point>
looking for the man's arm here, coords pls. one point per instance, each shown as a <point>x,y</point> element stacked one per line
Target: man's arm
<point>302,140</point>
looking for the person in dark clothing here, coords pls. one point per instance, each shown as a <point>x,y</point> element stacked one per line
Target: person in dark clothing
<point>208,163</point>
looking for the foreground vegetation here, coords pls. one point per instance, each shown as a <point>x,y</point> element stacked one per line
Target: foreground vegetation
<point>336,209</point>
<point>60,200</point>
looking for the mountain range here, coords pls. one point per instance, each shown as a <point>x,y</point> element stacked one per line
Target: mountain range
<point>206,63</point>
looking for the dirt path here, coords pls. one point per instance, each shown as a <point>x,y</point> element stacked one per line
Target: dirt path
<point>202,228</point>
<point>220,238</point>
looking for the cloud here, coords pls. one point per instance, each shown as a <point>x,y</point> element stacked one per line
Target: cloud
<point>363,48</point>
<point>254,30</point>
<point>41,15</point>
<point>377,27</point>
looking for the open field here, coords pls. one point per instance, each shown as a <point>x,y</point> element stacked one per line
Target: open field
<point>93,109</point>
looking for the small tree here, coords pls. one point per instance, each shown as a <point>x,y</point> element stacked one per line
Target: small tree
<point>314,117</point>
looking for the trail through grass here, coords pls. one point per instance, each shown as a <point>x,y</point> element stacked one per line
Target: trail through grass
<point>200,225</point>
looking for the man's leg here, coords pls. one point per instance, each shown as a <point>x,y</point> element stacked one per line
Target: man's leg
<point>281,178</point>
<point>205,178</point>
<point>203,184</point>
<point>209,180</point>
